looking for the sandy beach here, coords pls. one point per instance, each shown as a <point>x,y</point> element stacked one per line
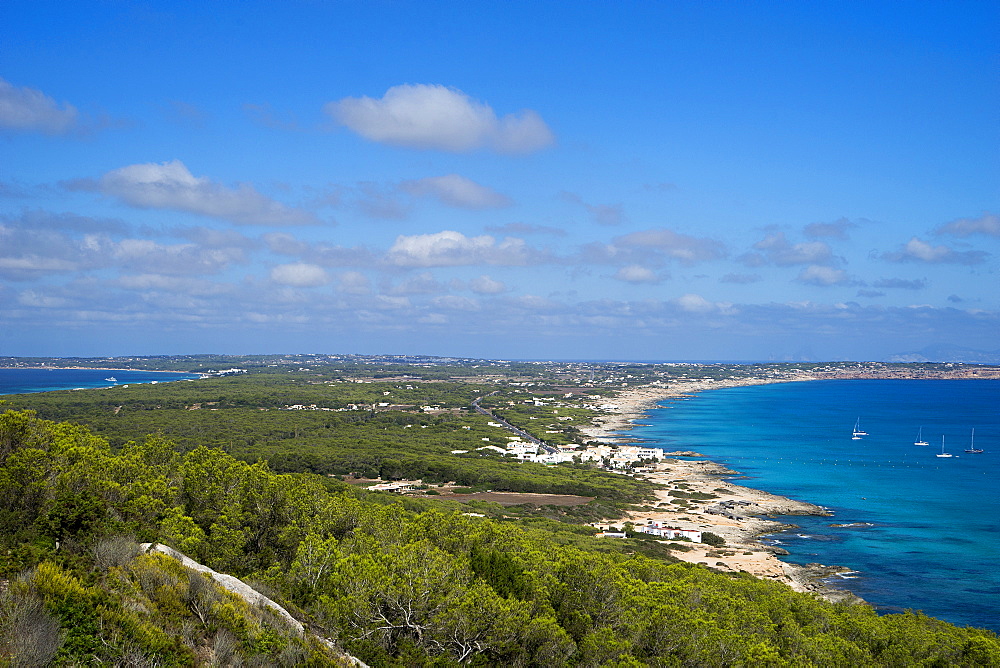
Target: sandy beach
<point>634,404</point>
<point>695,494</point>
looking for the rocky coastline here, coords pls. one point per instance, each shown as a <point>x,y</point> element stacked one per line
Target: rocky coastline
<point>696,493</point>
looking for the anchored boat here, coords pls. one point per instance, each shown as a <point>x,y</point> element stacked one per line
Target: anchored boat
<point>943,453</point>
<point>972,444</point>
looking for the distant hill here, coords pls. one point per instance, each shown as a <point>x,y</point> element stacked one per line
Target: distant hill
<point>948,353</point>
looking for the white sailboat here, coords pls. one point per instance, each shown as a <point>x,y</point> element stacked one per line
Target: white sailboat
<point>943,453</point>
<point>858,432</point>
<point>920,438</point>
<point>972,444</point>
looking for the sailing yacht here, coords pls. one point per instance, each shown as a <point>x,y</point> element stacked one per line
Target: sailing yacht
<point>920,438</point>
<point>943,453</point>
<point>972,444</point>
<point>858,432</point>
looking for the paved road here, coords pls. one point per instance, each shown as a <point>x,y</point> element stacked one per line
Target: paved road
<point>511,428</point>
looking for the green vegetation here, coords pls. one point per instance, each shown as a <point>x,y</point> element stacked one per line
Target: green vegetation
<point>556,421</point>
<point>245,475</point>
<point>337,427</point>
<point>396,582</point>
<point>712,539</point>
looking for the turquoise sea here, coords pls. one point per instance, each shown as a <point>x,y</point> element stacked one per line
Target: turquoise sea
<point>922,530</point>
<point>20,381</point>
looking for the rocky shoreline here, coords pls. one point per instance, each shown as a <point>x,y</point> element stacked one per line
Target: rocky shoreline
<point>696,494</point>
<point>699,494</point>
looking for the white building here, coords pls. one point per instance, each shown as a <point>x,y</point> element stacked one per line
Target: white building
<point>662,531</point>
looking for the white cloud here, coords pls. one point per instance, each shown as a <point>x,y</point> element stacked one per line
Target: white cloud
<point>484,285</point>
<point>455,190</point>
<point>433,319</point>
<point>681,247</point>
<point>284,244</point>
<point>354,283</point>
<point>170,185</point>
<point>779,251</point>
<point>39,244</point>
<point>174,259</point>
<point>386,303</point>
<point>28,267</point>
<point>635,273</point>
<point>692,303</point>
<point>299,275</point>
<point>29,110</point>
<point>31,298</point>
<point>917,250</point>
<point>824,276</point>
<point>452,249</point>
<point>921,250</point>
<point>428,116</point>
<point>988,224</point>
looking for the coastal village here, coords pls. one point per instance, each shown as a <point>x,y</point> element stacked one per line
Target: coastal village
<point>694,499</point>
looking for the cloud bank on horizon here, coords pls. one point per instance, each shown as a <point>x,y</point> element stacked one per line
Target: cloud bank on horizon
<point>589,181</point>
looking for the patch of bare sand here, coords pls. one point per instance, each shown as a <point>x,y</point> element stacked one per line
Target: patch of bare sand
<point>739,515</point>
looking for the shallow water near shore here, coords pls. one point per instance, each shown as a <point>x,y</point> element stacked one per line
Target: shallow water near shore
<point>921,530</point>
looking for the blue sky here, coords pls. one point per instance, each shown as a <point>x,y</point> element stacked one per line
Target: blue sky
<point>572,180</point>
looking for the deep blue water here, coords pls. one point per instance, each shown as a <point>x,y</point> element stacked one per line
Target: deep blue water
<point>20,381</point>
<point>929,528</point>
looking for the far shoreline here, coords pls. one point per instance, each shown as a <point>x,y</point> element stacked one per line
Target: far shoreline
<point>104,386</point>
<point>95,368</point>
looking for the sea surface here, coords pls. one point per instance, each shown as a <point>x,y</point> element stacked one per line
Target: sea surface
<point>921,532</point>
<point>21,381</point>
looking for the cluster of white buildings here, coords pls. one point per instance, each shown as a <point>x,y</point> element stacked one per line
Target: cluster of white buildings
<point>661,530</point>
<point>224,372</point>
<point>528,452</point>
<point>397,487</point>
<point>620,456</point>
<point>611,456</point>
<point>616,457</point>
<point>653,528</point>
